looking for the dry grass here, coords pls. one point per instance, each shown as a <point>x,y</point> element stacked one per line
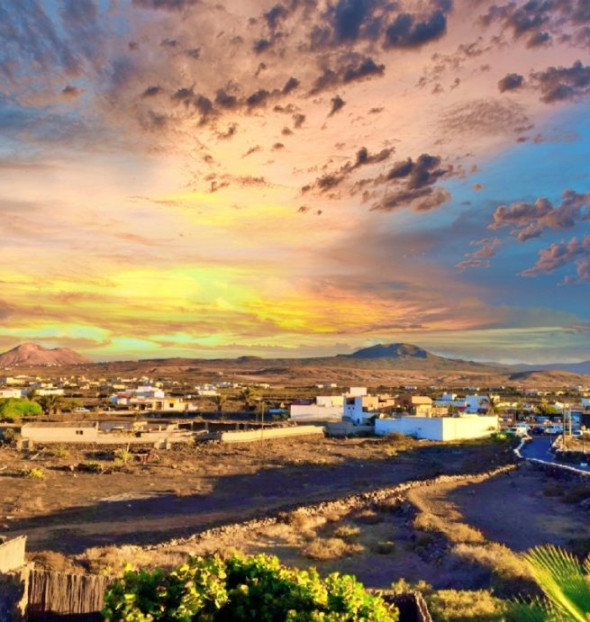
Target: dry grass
<point>327,549</point>
<point>367,517</point>
<point>496,557</point>
<point>455,531</point>
<point>347,532</point>
<point>465,606</point>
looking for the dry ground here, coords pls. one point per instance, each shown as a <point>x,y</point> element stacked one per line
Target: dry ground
<point>191,489</point>
<point>444,533</point>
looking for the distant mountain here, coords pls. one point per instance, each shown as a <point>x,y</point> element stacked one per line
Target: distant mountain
<point>31,354</point>
<point>577,368</point>
<point>391,351</point>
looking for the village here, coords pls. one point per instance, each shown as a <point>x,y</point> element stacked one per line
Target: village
<point>166,410</point>
<point>386,483</point>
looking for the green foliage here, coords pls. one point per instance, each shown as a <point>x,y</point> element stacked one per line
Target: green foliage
<point>465,606</point>
<point>50,403</point>
<point>13,407</point>
<point>251,589</point>
<point>33,473</point>
<point>565,585</point>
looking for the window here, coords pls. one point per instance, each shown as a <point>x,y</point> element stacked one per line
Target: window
<point>80,432</point>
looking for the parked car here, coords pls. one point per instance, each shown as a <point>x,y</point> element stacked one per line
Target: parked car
<point>554,429</point>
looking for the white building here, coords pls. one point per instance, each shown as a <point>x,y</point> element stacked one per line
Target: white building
<point>8,393</point>
<point>439,428</point>
<point>149,392</point>
<point>323,408</point>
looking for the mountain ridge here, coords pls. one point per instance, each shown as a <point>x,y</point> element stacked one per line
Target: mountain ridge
<point>33,354</point>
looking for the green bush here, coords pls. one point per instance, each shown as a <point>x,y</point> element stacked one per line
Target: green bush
<point>14,408</point>
<point>251,589</point>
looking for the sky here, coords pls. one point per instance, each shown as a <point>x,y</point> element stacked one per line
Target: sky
<point>293,178</point>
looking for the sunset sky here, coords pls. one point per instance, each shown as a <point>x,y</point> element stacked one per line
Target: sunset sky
<point>296,177</point>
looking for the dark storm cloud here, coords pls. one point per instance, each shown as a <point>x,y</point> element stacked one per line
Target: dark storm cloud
<point>184,95</point>
<point>291,84</point>
<point>420,200</point>
<point>531,16</point>
<point>425,171</point>
<point>337,104</point>
<point>276,15</point>
<point>528,220</point>
<point>414,185</point>
<point>363,158</point>
<point>225,99</point>
<point>563,83</point>
<point>510,82</point>
<point>298,120</point>
<point>561,254</point>
<point>408,32</point>
<point>349,16</point>
<point>258,98</point>
<point>537,39</point>
<point>367,68</point>
<point>165,5</point>
<point>348,70</point>
<point>261,45</point>
<point>152,91</point>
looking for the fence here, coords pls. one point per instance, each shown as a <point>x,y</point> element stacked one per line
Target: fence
<point>57,595</point>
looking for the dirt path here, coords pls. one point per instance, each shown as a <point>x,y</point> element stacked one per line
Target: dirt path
<point>514,510</point>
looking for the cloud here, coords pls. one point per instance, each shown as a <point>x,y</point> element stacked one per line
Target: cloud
<point>166,5</point>
<point>563,83</point>
<point>353,70</point>
<point>528,220</point>
<point>561,254</point>
<point>510,82</point>
<point>414,181</point>
<point>407,32</point>
<point>71,91</point>
<point>337,104</point>
<point>484,117</point>
<point>473,263</point>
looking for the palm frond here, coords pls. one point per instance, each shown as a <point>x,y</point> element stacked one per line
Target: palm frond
<point>561,577</point>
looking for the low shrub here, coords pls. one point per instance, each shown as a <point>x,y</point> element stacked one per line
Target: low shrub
<point>347,532</point>
<point>242,590</point>
<point>384,547</point>
<point>33,473</point>
<point>465,606</point>
<point>325,549</point>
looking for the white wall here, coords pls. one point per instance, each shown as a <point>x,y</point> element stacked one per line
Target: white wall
<point>439,428</point>
<point>315,412</point>
<point>329,400</point>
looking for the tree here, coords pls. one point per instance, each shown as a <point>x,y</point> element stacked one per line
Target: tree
<point>247,397</point>
<point>50,404</point>
<point>565,585</point>
<point>220,399</point>
<point>15,408</point>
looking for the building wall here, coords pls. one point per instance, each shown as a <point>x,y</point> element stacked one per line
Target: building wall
<point>270,433</point>
<point>439,428</point>
<point>315,412</point>
<point>329,400</point>
<point>8,393</point>
<point>59,434</point>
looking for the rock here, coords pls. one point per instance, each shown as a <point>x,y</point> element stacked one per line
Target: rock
<point>585,504</point>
